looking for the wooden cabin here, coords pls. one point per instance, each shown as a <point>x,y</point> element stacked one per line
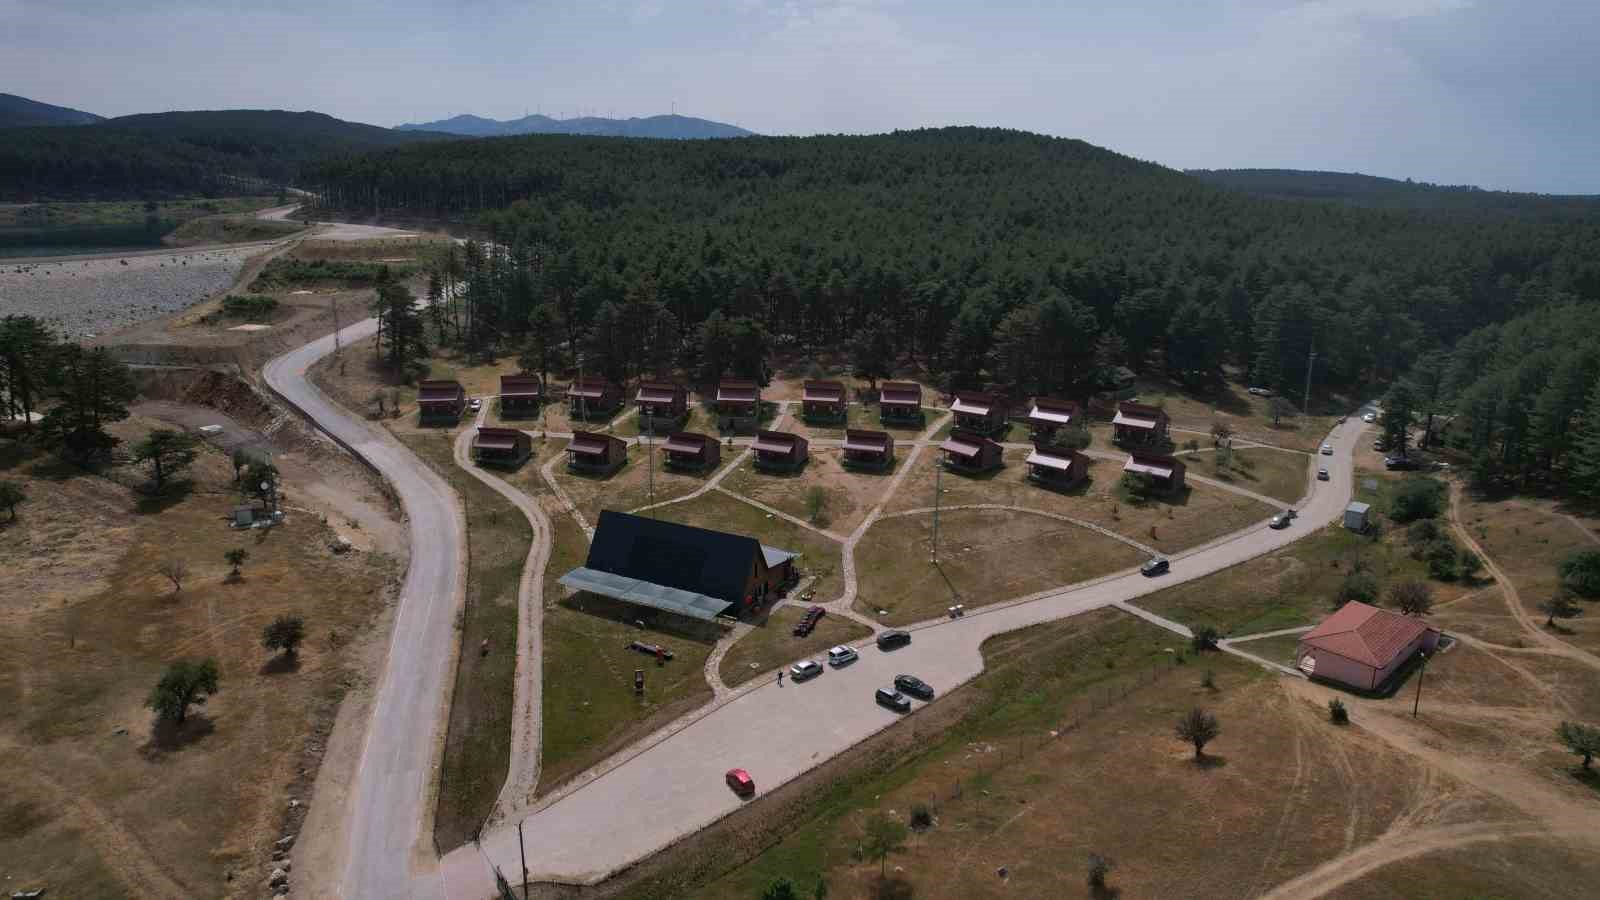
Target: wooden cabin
<point>693,451</point>
<point>970,453</point>
<point>440,402</point>
<point>979,412</point>
<point>1057,467</point>
<point>1048,417</point>
<point>1165,472</point>
<point>738,405</point>
<point>900,403</point>
<point>593,396</point>
<point>663,406</point>
<point>780,450</point>
<point>868,449</point>
<point>1139,424</point>
<point>824,401</point>
<point>520,395</point>
<point>501,446</point>
<point>593,453</point>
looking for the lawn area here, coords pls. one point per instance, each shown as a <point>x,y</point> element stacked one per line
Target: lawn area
<point>100,800</point>
<point>986,556</point>
<point>629,488</point>
<point>1279,649</point>
<point>1245,413</point>
<point>999,792</point>
<point>819,556</point>
<point>860,416</point>
<point>1275,473</point>
<point>700,420</point>
<point>478,741</point>
<point>1198,515</point>
<point>847,494</point>
<point>1528,539</point>
<point>771,643</point>
<point>1524,867</point>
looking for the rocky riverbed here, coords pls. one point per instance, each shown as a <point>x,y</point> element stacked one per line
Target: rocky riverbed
<point>86,297</point>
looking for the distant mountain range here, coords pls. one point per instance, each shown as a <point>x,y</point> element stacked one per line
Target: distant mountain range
<point>675,127</point>
<point>16,112</point>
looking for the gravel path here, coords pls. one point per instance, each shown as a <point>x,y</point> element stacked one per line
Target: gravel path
<point>84,298</point>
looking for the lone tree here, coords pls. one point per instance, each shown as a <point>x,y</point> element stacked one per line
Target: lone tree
<point>175,571</point>
<point>780,888</point>
<point>236,558</point>
<point>1221,432</point>
<point>872,351</point>
<point>1099,868</point>
<point>1199,728</point>
<point>1205,637</point>
<point>185,684</point>
<point>1580,572</point>
<point>882,837</point>
<point>285,633</point>
<point>1583,740</point>
<point>93,390</point>
<point>1414,598</point>
<point>11,495</point>
<point>1559,606</point>
<point>167,451</point>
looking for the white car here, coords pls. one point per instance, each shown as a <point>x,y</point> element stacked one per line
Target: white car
<point>1369,418</point>
<point>805,670</point>
<point>1327,449</point>
<point>476,404</point>
<point>841,656</point>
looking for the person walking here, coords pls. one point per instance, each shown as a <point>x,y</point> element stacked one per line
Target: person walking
<point>780,678</point>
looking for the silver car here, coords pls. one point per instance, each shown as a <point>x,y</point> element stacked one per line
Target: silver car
<point>805,670</point>
<point>1327,449</point>
<point>841,656</point>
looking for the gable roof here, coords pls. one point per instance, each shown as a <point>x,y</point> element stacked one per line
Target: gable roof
<point>590,443</point>
<point>590,387</point>
<point>687,442</point>
<point>1365,634</point>
<point>1054,457</point>
<point>1052,412</point>
<point>658,392</point>
<point>868,441</point>
<point>1156,464</point>
<point>822,392</point>
<point>521,386</point>
<point>900,393</point>
<point>439,391</point>
<point>974,404</point>
<point>779,442</point>
<point>496,438</point>
<point>698,560</point>
<point>1138,415</point>
<point>965,443</point>
<point>738,392</point>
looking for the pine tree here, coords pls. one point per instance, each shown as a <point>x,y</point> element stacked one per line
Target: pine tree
<point>92,390</point>
<point>1583,462</point>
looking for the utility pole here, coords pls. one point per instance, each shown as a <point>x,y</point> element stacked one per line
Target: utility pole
<point>1311,363</point>
<point>523,851</point>
<point>938,473</point>
<point>338,344</point>
<point>650,454</point>
<point>583,402</point>
<point>1415,704</point>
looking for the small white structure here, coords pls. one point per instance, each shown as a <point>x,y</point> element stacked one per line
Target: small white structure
<point>1355,516</point>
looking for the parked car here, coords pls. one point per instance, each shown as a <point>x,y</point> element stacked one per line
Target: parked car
<point>916,687</point>
<point>892,639</point>
<point>892,699</point>
<point>1369,418</point>
<point>1322,473</point>
<point>1282,519</point>
<point>805,670</point>
<point>1154,567</point>
<point>808,622</point>
<point>1327,449</point>
<point>1380,445</point>
<point>740,782</point>
<point>476,404</point>
<point>841,656</point>
<point>1259,391</point>
<point>1399,463</point>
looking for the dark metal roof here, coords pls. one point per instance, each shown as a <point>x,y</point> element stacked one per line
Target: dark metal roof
<point>867,441</point>
<point>588,388</point>
<point>965,443</point>
<point>900,393</point>
<point>975,404</point>
<point>655,596</point>
<point>521,386</point>
<point>822,392</point>
<point>687,442</point>
<point>658,392</point>
<point>496,438</point>
<point>591,444</point>
<point>738,392</point>
<point>439,391</point>
<point>698,560</point>
<point>779,442</point>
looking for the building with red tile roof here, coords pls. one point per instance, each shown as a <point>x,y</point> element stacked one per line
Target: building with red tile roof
<point>1362,646</point>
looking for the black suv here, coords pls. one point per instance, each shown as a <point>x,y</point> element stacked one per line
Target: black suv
<point>916,687</point>
<point>892,699</point>
<point>892,639</point>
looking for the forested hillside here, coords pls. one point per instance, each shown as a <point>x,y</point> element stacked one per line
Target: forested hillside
<point>179,153</point>
<point>20,112</point>
<point>989,257</point>
<point>673,126</point>
<point>1389,193</point>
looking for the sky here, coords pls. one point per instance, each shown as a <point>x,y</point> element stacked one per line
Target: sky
<point>1501,94</point>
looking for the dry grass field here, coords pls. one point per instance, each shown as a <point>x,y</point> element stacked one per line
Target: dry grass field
<point>986,556</point>
<point>1529,539</point>
<point>771,643</point>
<point>1194,517</point>
<point>1275,473</point>
<point>1247,414</point>
<point>98,800</point>
<point>630,487</point>
<point>847,495</point>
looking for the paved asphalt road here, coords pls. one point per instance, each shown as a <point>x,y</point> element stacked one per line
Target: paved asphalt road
<point>777,733</point>
<point>389,799</point>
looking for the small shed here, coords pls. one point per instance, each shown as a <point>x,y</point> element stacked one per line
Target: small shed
<point>1049,416</point>
<point>900,402</point>
<point>1362,646</point>
<point>501,446</point>
<point>1356,516</point>
<point>738,405</point>
<point>979,412</point>
<point>1165,472</point>
<point>692,450</point>
<point>663,406</point>
<point>593,396</point>
<point>440,402</point>
<point>824,401</point>
<point>1140,424</point>
<point>520,395</point>
<point>868,449</point>
<point>1057,467</point>
<point>970,453</point>
<point>780,450</point>
<point>593,453</point>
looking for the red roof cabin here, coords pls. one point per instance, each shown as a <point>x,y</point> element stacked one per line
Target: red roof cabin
<point>1363,646</point>
<point>501,446</point>
<point>1049,416</point>
<point>693,451</point>
<point>663,406</point>
<point>738,405</point>
<point>1165,472</point>
<point>979,412</point>
<point>824,401</point>
<point>520,395</point>
<point>1140,424</point>
<point>593,396</point>
<point>868,449</point>
<point>1057,467</point>
<point>900,403</point>
<point>780,451</point>
<point>970,453</point>
<point>592,453</point>
<point>440,402</point>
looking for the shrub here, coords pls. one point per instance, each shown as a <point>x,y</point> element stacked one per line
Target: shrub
<point>1422,532</point>
<point>1443,559</point>
<point>1414,598</point>
<point>1580,573</point>
<point>1337,714</point>
<point>1208,680</point>
<point>253,308</point>
<point>921,816</point>
<point>1417,497</point>
<point>1360,586</point>
<point>1205,637</point>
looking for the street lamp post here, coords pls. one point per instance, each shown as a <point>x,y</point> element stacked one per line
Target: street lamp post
<point>1420,673</point>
